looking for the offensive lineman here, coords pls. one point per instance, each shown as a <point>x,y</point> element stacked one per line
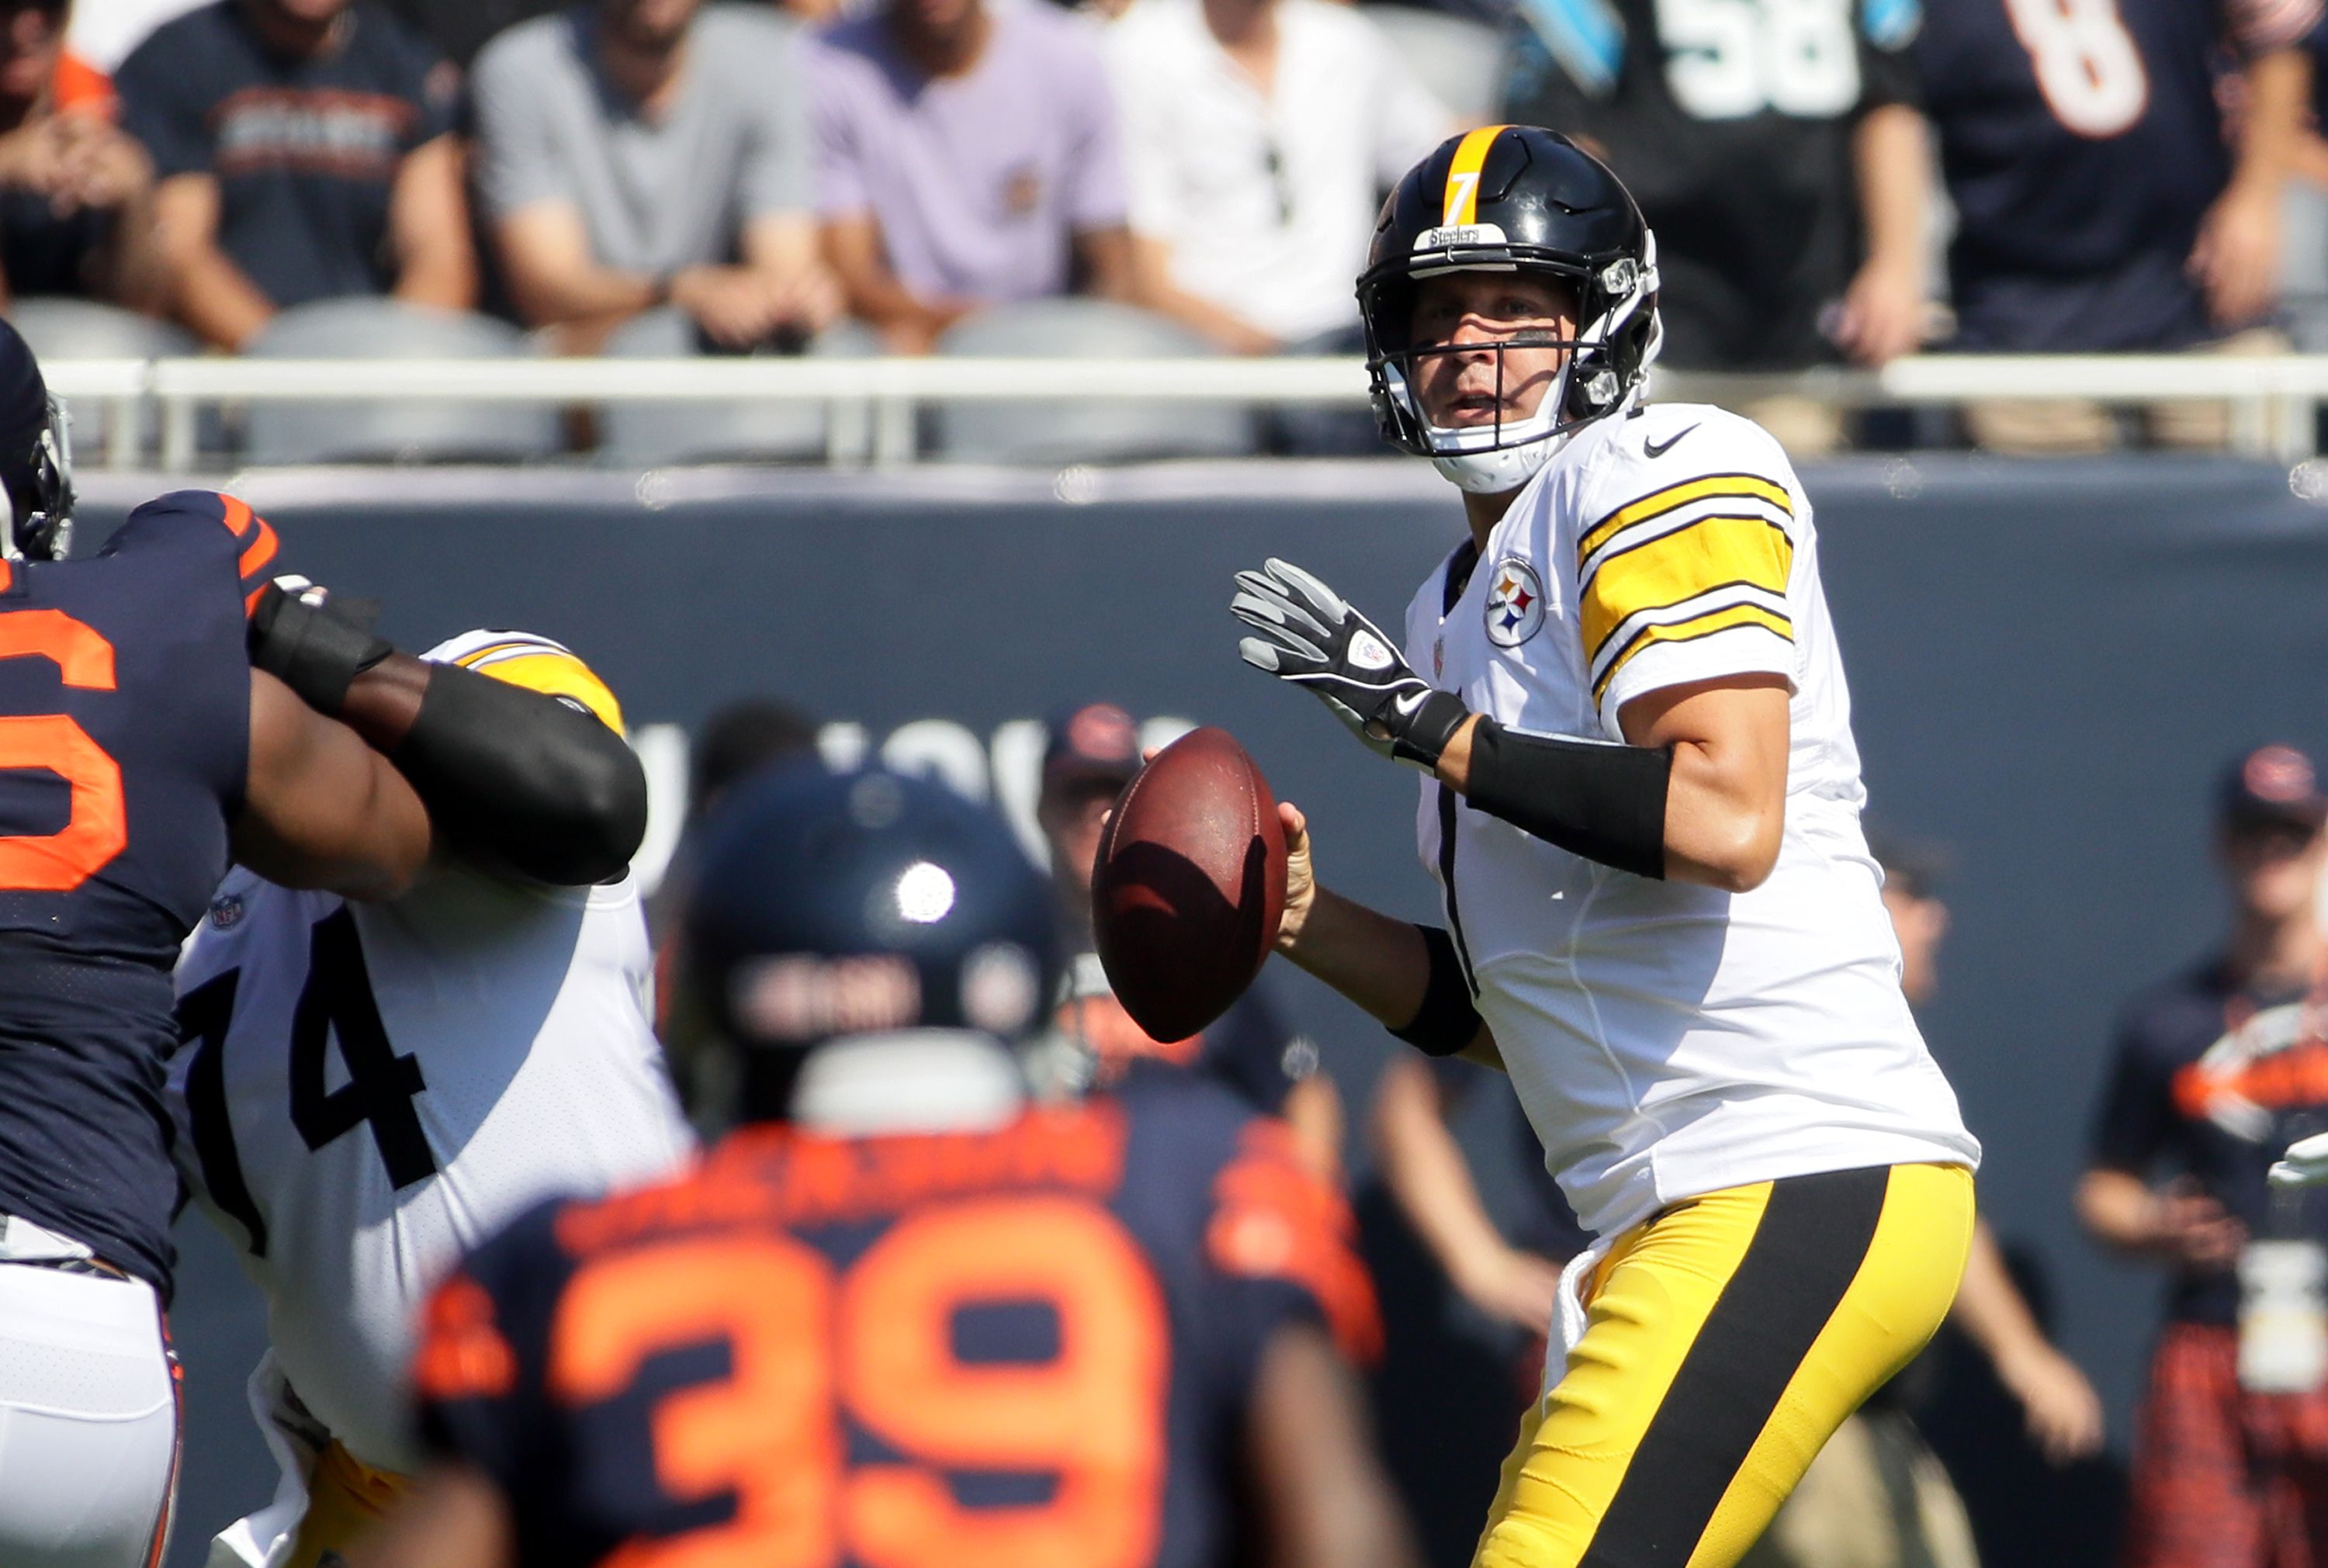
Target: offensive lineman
<point>902,1315</point>
<point>491,1032</point>
<point>1661,914</point>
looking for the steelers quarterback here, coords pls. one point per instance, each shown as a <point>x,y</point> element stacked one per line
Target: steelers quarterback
<point>1660,912</point>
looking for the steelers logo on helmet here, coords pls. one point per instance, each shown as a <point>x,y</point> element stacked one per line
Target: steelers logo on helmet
<point>1516,200</point>
<point>1514,603</point>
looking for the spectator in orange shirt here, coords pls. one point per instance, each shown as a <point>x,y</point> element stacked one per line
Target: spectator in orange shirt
<point>76,192</point>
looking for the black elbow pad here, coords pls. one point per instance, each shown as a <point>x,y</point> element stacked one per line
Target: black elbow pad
<point>524,782</point>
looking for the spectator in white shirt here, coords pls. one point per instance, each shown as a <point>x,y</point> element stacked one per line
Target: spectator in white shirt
<point>1259,136</point>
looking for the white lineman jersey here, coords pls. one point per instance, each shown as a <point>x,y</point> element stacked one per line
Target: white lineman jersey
<point>368,1090</point>
<point>1667,1039</point>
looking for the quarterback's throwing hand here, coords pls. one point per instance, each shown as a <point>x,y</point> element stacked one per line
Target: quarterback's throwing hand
<point>1312,636</point>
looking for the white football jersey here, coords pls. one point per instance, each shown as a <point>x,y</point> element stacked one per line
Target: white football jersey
<point>369,1091</point>
<point>1667,1039</point>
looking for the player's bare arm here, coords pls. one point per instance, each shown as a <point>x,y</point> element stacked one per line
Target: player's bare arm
<point>321,808</point>
<point>456,1518</point>
<point>1726,795</point>
<point>516,779</point>
<point>1324,1500</point>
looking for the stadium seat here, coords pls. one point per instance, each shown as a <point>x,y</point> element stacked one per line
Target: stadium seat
<point>60,327</point>
<point>394,432</point>
<point>651,435</point>
<point>1085,430</point>
<point>1462,62</point>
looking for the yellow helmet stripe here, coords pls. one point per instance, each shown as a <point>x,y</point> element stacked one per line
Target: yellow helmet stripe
<point>1462,202</point>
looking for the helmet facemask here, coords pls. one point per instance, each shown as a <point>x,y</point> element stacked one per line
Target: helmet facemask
<point>40,499</point>
<point>1604,363</point>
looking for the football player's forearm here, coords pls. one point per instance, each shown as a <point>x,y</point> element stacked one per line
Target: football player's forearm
<point>1425,1170</point>
<point>1380,963</point>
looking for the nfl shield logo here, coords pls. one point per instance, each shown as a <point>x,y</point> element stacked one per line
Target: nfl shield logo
<point>1514,603</point>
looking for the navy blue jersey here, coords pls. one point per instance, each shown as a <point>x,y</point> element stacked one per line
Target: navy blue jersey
<point>2082,142</point>
<point>125,734</point>
<point>2213,1080</point>
<point>1031,1346</point>
<point>1249,1048</point>
<point>305,151</point>
<point>1730,124</point>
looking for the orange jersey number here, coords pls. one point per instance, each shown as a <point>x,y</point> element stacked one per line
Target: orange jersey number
<point>99,828</point>
<point>1092,1415</point>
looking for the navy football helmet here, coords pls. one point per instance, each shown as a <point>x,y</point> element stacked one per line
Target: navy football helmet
<point>1512,198</point>
<point>832,905</point>
<point>35,457</point>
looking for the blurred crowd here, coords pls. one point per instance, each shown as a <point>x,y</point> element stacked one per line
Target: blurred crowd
<point>889,174</point>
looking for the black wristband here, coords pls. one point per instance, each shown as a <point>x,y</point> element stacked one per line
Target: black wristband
<point>1447,1021</point>
<point>522,780</point>
<point>1423,739</point>
<point>1604,802</point>
<point>317,650</point>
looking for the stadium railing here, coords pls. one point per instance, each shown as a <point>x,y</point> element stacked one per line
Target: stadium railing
<point>874,402</point>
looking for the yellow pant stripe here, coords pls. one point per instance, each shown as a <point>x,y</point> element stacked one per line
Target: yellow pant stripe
<point>1652,1293</point>
<point>1894,1305</point>
<point>1726,1340</point>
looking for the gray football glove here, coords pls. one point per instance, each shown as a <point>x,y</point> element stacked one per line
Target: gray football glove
<point>1312,636</point>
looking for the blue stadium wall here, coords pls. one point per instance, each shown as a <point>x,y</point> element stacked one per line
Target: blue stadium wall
<point>2048,662</point>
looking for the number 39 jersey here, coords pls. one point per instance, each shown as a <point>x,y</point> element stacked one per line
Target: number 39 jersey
<point>1667,1039</point>
<point>366,1091</point>
<point>1029,1346</point>
<point>125,735</point>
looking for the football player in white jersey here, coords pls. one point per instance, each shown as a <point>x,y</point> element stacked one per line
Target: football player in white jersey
<point>1661,915</point>
<point>369,1091</point>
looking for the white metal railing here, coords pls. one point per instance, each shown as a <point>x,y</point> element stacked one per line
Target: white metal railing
<point>2273,400</point>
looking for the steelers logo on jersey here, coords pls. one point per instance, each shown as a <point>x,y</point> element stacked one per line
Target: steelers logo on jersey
<point>1514,603</point>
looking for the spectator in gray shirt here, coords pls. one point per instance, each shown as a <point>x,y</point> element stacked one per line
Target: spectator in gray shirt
<point>637,152</point>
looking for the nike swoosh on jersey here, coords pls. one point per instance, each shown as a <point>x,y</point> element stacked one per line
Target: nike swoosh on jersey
<point>1659,448</point>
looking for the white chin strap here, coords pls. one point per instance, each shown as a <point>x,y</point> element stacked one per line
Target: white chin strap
<point>1490,459</point>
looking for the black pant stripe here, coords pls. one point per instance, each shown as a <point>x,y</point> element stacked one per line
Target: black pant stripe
<point>1814,1234</point>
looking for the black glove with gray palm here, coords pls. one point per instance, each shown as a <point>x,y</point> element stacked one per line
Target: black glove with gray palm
<point>1312,636</point>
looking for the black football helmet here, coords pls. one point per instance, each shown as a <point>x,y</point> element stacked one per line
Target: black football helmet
<point>830,905</point>
<point>35,457</point>
<point>1512,198</point>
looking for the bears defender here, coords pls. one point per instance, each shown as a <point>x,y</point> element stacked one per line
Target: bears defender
<point>1661,915</point>
<point>491,1037</point>
<point>139,753</point>
<point>901,1315</point>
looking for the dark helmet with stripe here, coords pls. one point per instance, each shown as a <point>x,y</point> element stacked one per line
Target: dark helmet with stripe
<point>830,905</point>
<point>35,457</point>
<point>1512,198</point>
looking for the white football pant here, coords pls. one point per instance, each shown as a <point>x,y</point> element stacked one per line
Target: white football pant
<point>88,1411</point>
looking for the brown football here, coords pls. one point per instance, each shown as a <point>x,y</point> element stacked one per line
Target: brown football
<point>1189,884</point>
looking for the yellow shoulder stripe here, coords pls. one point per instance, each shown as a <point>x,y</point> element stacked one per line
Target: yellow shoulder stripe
<point>1461,202</point>
<point>1744,486</point>
<point>1690,630</point>
<point>1661,573</point>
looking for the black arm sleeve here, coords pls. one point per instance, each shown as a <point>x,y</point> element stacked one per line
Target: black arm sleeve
<point>1604,802</point>
<point>1445,1022</point>
<point>525,780</point>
